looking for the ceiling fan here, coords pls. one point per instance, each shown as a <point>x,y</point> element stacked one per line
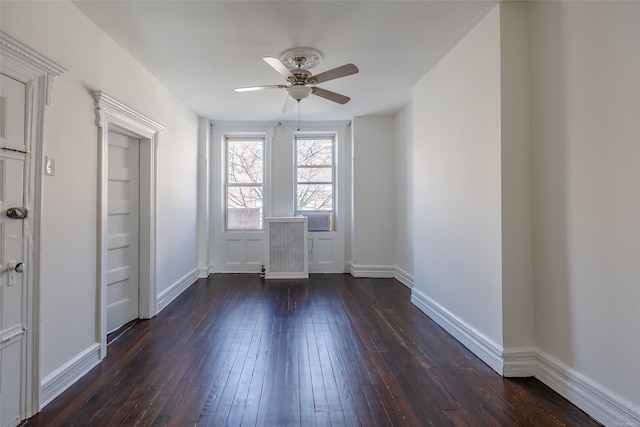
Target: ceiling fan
<point>294,65</point>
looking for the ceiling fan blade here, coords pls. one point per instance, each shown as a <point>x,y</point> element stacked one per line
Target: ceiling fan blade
<point>345,70</point>
<point>278,66</point>
<point>331,96</point>
<point>253,88</point>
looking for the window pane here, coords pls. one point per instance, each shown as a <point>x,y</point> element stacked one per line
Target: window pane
<point>244,208</point>
<point>315,197</point>
<point>315,174</point>
<point>317,152</point>
<point>245,161</point>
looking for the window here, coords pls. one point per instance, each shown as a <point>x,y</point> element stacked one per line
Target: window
<point>315,182</point>
<point>244,183</point>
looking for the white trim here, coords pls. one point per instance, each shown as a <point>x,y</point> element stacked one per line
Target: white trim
<point>519,362</point>
<point>593,398</point>
<point>480,345</point>
<point>65,376</point>
<point>23,64</point>
<point>373,271</point>
<point>403,277</point>
<point>9,336</point>
<point>112,114</point>
<point>205,271</point>
<point>108,108</point>
<point>174,290</point>
<point>204,198</point>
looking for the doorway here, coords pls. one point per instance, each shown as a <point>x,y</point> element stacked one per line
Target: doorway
<point>127,139</point>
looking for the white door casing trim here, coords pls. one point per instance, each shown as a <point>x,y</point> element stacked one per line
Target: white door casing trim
<point>114,115</point>
<point>38,73</point>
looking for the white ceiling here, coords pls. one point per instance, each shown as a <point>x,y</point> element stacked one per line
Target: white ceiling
<point>202,50</point>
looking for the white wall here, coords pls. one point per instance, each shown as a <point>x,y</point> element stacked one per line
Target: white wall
<point>94,62</point>
<point>585,114</point>
<point>533,121</point>
<point>373,187</point>
<point>457,182</point>
<point>404,195</point>
<point>517,279</point>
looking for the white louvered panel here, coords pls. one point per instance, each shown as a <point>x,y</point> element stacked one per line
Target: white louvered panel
<point>286,248</point>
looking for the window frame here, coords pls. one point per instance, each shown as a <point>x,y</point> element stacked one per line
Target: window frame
<point>227,185</point>
<point>316,136</point>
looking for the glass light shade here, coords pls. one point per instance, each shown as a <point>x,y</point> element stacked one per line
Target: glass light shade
<point>299,92</point>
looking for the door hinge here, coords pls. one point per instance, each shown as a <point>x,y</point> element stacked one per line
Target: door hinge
<point>15,150</point>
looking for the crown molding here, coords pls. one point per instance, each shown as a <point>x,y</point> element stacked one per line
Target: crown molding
<point>25,64</point>
<point>106,105</point>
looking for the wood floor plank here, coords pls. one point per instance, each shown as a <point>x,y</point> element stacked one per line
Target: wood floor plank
<point>332,350</point>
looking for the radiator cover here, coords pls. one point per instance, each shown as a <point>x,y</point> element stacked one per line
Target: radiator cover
<point>286,253</point>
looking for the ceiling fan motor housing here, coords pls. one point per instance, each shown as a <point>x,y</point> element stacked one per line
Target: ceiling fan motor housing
<point>300,77</point>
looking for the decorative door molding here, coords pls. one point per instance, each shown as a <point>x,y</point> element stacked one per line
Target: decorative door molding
<point>37,72</point>
<point>114,115</point>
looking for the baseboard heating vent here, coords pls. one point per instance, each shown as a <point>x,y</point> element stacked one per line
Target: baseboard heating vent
<point>286,254</point>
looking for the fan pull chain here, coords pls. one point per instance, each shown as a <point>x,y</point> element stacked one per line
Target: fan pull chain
<point>299,114</point>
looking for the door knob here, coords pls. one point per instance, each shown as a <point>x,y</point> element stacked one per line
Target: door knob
<point>16,266</point>
<point>17,213</point>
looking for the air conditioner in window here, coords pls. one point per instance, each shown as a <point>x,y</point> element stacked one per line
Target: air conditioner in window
<point>319,221</point>
<point>286,254</point>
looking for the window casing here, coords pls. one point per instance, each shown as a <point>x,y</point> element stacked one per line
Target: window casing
<point>244,183</point>
<point>315,180</point>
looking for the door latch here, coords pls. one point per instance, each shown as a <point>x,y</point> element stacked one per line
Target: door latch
<point>14,267</point>
<point>17,213</point>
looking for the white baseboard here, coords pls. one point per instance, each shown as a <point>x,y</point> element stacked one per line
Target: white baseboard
<point>205,271</point>
<point>373,271</point>
<point>173,291</point>
<point>62,378</point>
<point>519,362</point>
<point>597,401</point>
<point>403,277</point>
<point>488,351</point>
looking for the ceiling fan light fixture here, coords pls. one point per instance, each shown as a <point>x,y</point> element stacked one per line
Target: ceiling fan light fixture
<point>299,92</point>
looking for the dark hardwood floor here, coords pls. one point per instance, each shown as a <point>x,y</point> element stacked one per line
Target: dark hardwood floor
<point>332,350</point>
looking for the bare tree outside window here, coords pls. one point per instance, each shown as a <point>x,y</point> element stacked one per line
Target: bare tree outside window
<point>244,183</point>
<point>315,180</point>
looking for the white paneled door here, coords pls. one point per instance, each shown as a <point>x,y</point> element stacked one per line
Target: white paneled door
<point>13,298</point>
<point>122,230</point>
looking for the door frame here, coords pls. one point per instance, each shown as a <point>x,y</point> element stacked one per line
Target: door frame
<point>114,115</point>
<point>37,72</point>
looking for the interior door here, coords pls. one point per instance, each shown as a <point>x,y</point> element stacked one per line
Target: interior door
<point>123,230</point>
<point>13,298</point>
